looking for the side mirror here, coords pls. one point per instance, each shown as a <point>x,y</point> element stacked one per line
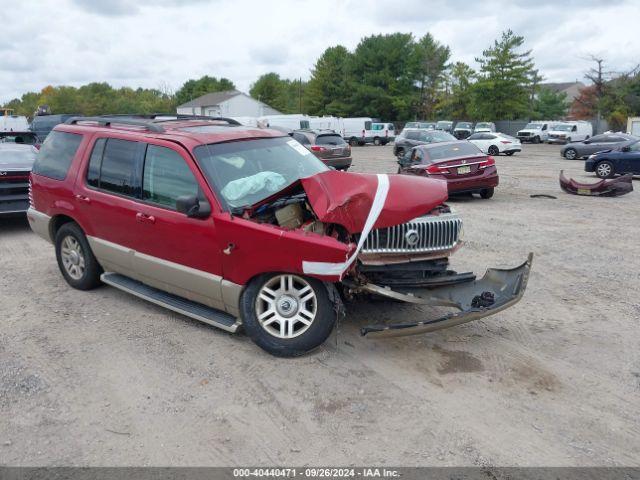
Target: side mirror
<point>626,148</point>
<point>192,207</point>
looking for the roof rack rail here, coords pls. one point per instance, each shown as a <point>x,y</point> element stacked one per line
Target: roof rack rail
<point>171,117</point>
<point>107,121</point>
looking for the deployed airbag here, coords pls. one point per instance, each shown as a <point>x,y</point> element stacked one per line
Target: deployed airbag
<point>240,188</point>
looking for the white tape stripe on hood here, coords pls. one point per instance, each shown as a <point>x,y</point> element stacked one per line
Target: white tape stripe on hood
<point>338,269</point>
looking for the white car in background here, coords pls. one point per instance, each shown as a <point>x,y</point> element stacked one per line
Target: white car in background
<point>495,143</point>
<point>484,127</point>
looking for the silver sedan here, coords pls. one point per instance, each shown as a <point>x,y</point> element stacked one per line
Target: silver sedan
<point>598,143</point>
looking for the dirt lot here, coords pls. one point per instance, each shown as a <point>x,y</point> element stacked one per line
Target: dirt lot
<point>102,378</point>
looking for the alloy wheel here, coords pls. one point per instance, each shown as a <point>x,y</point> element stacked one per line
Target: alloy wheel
<point>286,306</point>
<point>604,170</point>
<point>570,154</point>
<point>72,257</point>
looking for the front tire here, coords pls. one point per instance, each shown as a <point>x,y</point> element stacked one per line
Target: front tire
<point>376,141</point>
<point>287,315</point>
<point>536,139</point>
<point>570,154</point>
<point>493,150</point>
<point>605,169</point>
<point>76,261</point>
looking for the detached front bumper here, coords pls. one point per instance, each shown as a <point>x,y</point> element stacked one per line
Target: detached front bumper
<point>497,290</point>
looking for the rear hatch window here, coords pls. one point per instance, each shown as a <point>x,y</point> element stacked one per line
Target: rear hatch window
<point>330,140</point>
<point>56,154</point>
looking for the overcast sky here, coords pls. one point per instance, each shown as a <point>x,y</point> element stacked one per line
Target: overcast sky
<point>154,43</point>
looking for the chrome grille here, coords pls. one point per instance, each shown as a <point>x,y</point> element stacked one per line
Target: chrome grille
<point>423,234</point>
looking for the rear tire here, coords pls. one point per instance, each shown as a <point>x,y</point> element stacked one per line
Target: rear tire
<point>287,315</point>
<point>76,261</point>
<point>605,169</point>
<point>353,141</point>
<point>493,150</point>
<point>400,152</point>
<point>509,153</point>
<point>570,154</point>
<point>486,193</point>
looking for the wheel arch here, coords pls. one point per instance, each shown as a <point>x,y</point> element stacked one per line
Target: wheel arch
<point>58,221</point>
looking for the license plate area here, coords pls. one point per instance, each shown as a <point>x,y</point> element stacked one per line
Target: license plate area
<point>463,170</point>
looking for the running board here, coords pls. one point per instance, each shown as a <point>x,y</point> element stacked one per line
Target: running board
<point>195,310</point>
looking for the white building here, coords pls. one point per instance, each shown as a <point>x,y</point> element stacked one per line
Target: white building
<point>230,103</point>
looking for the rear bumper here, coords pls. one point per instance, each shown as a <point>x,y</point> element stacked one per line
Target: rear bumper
<point>498,290</point>
<point>512,149</point>
<point>488,179</point>
<point>338,162</point>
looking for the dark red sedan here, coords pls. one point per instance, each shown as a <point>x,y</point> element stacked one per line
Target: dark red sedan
<point>464,166</point>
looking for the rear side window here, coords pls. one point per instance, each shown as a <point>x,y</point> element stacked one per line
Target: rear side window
<point>413,135</point>
<point>56,154</point>
<point>93,173</point>
<point>302,138</point>
<point>166,177</point>
<point>117,170</point>
<point>330,140</point>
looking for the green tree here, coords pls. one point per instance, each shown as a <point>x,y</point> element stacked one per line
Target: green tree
<point>383,76</point>
<point>431,59</point>
<point>279,93</point>
<point>457,101</point>
<point>192,89</point>
<point>328,90</point>
<point>505,79</point>
<point>549,104</point>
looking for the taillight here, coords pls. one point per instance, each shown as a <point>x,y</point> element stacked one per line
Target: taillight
<point>318,148</point>
<point>433,169</point>
<point>489,162</point>
<point>505,141</point>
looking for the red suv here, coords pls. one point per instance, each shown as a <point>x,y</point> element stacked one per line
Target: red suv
<point>238,226</point>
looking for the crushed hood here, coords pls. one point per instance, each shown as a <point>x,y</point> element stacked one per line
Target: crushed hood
<point>346,198</point>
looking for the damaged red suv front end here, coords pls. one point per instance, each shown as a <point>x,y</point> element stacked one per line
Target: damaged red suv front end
<point>241,227</point>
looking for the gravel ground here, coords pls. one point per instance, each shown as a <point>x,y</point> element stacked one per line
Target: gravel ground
<point>103,378</point>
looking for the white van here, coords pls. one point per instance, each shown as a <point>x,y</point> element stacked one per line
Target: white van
<point>383,133</point>
<point>12,123</point>
<point>357,131</point>
<point>535,132</point>
<point>566,132</point>
<point>327,123</point>
<point>294,121</point>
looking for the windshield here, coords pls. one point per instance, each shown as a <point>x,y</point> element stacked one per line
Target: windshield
<point>563,128</point>
<point>483,125</point>
<point>246,172</point>
<point>27,138</point>
<point>452,150</point>
<point>533,126</point>
<point>443,124</point>
<point>464,125</point>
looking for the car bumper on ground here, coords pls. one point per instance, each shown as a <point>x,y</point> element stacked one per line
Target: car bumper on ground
<point>498,290</point>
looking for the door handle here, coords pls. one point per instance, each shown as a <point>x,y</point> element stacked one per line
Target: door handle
<point>144,218</point>
<point>82,198</point>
